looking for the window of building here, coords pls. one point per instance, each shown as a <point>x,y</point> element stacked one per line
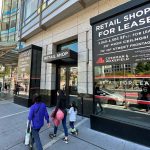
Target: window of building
<point>5,24</point>
<point>4,38</point>
<point>13,21</point>
<point>12,37</point>
<point>30,7</point>
<point>7,7</point>
<point>72,45</point>
<point>124,87</point>
<point>48,2</point>
<point>14,6</point>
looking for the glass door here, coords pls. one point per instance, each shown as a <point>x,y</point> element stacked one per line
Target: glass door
<point>73,83</point>
<point>67,81</point>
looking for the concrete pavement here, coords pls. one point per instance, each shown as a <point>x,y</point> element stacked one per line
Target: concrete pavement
<point>13,124</point>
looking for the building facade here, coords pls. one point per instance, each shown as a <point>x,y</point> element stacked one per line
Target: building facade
<point>9,20</point>
<point>63,30</point>
<point>8,38</point>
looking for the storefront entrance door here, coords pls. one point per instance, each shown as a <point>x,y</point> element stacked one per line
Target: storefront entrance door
<point>67,81</point>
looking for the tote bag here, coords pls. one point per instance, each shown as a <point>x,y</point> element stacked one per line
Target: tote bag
<point>28,133</point>
<point>58,117</point>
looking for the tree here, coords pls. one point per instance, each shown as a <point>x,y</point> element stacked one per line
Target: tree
<point>5,72</point>
<point>143,68</point>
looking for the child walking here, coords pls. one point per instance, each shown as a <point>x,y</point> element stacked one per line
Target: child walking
<point>72,117</point>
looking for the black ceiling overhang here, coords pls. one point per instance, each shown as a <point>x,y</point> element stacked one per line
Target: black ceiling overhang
<point>65,56</point>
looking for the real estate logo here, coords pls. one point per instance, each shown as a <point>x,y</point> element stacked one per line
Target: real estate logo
<point>100,60</point>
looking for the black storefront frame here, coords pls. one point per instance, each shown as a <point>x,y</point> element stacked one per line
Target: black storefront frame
<point>35,75</point>
<point>104,123</point>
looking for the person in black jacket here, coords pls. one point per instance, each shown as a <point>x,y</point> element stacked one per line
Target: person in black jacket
<point>61,104</point>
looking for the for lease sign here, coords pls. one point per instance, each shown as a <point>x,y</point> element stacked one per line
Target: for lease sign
<point>124,38</point>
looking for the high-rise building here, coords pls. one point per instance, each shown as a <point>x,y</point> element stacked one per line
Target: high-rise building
<point>8,40</point>
<point>8,30</point>
<point>8,24</point>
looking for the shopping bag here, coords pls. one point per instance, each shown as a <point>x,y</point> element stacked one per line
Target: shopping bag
<point>28,133</point>
<point>57,116</point>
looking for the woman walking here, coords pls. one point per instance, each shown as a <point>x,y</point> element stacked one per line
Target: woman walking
<point>61,104</point>
<point>36,117</point>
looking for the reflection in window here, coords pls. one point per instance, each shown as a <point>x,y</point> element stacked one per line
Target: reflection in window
<point>23,74</point>
<point>30,7</point>
<point>7,7</point>
<point>124,87</point>
<point>14,6</point>
<point>46,3</point>
<point>72,45</point>
<point>73,80</point>
<point>11,37</point>
<point>13,21</point>
<point>63,78</point>
<point>4,25</point>
<point>4,37</point>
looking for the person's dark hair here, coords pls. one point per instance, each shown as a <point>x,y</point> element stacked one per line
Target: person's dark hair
<point>36,98</point>
<point>61,92</point>
<point>74,105</point>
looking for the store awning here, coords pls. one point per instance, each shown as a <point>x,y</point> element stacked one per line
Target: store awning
<point>62,57</point>
<point>8,54</point>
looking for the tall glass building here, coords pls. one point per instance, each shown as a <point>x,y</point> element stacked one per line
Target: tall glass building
<point>8,20</point>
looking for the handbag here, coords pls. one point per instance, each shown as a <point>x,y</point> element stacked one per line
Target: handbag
<point>57,115</point>
<point>28,133</point>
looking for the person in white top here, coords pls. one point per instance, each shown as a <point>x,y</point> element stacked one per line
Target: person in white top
<point>72,117</point>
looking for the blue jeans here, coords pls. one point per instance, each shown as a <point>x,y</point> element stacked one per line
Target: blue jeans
<point>72,124</point>
<point>35,135</point>
<point>64,126</point>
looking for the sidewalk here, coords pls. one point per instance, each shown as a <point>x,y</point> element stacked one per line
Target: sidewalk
<point>13,124</point>
<point>6,95</point>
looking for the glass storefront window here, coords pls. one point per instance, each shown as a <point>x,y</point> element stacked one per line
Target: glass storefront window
<point>23,79</point>
<point>72,45</point>
<point>121,61</point>
<point>68,82</point>
<point>124,88</point>
<point>73,80</point>
<point>63,78</point>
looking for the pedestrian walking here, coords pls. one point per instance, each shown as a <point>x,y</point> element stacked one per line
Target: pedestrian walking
<point>61,105</point>
<point>5,86</point>
<point>17,88</point>
<point>36,117</point>
<point>72,117</point>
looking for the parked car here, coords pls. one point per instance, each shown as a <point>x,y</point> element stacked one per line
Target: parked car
<point>109,97</point>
